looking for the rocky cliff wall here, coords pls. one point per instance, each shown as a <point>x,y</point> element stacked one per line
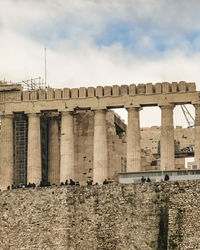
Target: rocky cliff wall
<point>136,216</point>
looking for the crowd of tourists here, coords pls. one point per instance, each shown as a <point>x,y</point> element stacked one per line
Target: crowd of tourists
<point>48,184</point>
<point>143,179</point>
<point>72,183</point>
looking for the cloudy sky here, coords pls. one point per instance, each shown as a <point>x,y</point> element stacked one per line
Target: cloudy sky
<point>102,42</point>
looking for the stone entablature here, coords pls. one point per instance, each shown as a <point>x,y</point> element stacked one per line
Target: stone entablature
<point>99,98</point>
<point>99,91</point>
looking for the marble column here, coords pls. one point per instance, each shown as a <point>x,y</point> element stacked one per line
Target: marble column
<point>100,159</point>
<point>197,135</point>
<point>6,152</point>
<point>53,151</point>
<point>133,140</point>
<point>34,165</point>
<point>67,147</point>
<point>167,138</point>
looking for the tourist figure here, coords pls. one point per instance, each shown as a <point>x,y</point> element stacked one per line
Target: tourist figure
<point>166,177</point>
<point>148,179</point>
<point>71,182</point>
<point>42,184</point>
<point>89,182</point>
<point>105,182</point>
<point>143,179</point>
<point>66,182</point>
<point>29,185</point>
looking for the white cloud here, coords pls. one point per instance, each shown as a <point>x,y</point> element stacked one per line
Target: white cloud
<point>69,28</point>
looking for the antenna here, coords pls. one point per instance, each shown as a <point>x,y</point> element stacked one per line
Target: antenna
<point>45,66</point>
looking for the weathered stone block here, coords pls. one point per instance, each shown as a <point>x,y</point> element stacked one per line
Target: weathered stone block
<point>12,96</point>
<point>158,88</point>
<point>165,87</point>
<point>191,86</point>
<point>19,96</point>
<point>91,92</point>
<point>66,93</point>
<point>124,89</point>
<point>132,89</point>
<point>99,91</point>
<point>82,92</point>
<point>74,93</point>
<point>50,94</point>
<point>115,90</point>
<point>141,88</point>
<point>174,87</point>
<point>58,94</point>
<point>26,95</point>
<point>34,95</point>
<point>107,91</point>
<point>182,87</point>
<point>149,88</point>
<point>42,94</point>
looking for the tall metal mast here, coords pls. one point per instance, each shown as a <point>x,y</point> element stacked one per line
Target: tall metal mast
<point>45,66</point>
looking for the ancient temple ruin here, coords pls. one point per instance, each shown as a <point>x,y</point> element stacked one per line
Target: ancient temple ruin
<point>58,134</point>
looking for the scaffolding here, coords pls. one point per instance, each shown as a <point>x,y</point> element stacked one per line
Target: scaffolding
<point>30,84</point>
<point>20,151</point>
<point>34,84</point>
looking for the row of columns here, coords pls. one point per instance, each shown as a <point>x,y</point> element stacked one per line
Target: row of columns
<point>167,139</point>
<point>61,151</point>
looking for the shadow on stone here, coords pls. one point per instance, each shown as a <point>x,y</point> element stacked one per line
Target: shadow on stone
<point>163,229</point>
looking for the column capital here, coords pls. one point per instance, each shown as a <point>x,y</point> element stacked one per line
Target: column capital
<point>33,114</point>
<point>95,108</point>
<point>100,110</point>
<point>166,105</point>
<point>66,109</point>
<point>8,116</point>
<point>134,108</point>
<point>66,113</point>
<point>132,105</point>
<point>53,115</point>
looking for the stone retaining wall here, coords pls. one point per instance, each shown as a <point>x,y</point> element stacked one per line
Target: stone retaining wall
<point>142,216</point>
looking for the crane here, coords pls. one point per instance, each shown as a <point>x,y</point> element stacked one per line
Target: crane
<point>189,118</point>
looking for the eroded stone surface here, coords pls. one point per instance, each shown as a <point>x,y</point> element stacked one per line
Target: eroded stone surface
<point>101,217</point>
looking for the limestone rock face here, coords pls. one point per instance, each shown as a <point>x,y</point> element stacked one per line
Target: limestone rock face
<point>134,216</point>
